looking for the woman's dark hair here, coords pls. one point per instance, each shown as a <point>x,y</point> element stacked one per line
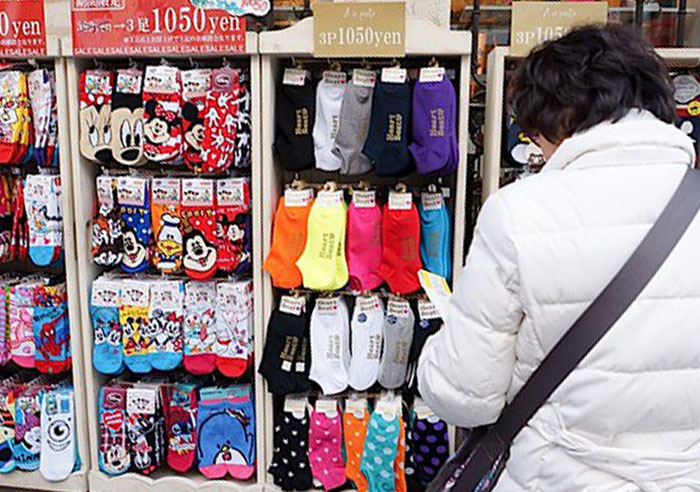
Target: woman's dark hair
<point>591,75</point>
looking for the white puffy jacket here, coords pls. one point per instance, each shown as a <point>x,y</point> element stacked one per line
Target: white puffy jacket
<point>628,418</point>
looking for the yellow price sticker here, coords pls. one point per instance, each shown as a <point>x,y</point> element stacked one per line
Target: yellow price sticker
<point>694,108</point>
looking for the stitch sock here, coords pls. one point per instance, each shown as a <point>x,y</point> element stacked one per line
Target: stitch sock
<point>220,108</point>
<point>436,235</point>
<point>295,110</point>
<point>45,223</point>
<point>165,317</point>
<point>126,120</point>
<point>22,344</point>
<point>7,430</point>
<point>330,345</point>
<point>364,246</point>
<point>398,335</point>
<point>181,428</point>
<point>325,454</point>
<point>355,431</point>
<point>142,404</point>
<point>400,249</point>
<point>167,225</point>
<point>200,327</point>
<point>161,113</point>
<point>51,329</point>
<point>199,222</point>
<point>107,354</point>
<point>290,467</point>
<point>381,447</point>
<point>366,329</point>
<point>28,429</point>
<point>234,324</point>
<point>427,324</point>
<point>114,458</point>
<point>133,316</point>
<point>95,113</point>
<point>242,158</point>
<point>107,241</point>
<point>136,216</point>
<point>284,335</point>
<point>233,224</point>
<point>58,446</point>
<point>353,127</point>
<point>195,85</point>
<point>329,98</point>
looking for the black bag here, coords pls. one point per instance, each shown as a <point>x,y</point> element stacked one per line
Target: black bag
<point>482,457</point>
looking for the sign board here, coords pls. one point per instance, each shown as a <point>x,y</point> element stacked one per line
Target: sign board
<point>533,23</point>
<point>349,29</point>
<point>22,28</point>
<point>157,27</point>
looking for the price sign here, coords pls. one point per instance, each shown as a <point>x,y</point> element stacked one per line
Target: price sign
<point>22,28</point>
<point>359,29</point>
<point>137,27</point>
<point>533,23</point>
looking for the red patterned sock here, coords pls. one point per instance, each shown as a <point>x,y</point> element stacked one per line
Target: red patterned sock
<point>95,113</point>
<point>219,144</point>
<point>232,234</point>
<point>199,224</point>
<point>195,85</point>
<point>162,99</point>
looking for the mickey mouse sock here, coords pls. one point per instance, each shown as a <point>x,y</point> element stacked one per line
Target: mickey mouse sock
<point>180,409</point>
<point>51,330</point>
<point>220,111</point>
<point>165,318</point>
<point>45,224</point>
<point>162,100</point>
<point>234,324</point>
<point>95,113</point>
<point>199,221</point>
<point>107,241</point>
<point>113,454</point>
<point>126,120</point>
<point>133,316</point>
<point>136,215</point>
<point>233,224</point>
<point>243,154</point>
<point>195,85</point>
<point>107,353</point>
<point>167,225</point>
<point>200,327</point>
<point>58,446</point>
<point>143,406</point>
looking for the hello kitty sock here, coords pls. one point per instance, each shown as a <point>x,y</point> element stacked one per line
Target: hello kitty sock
<point>95,113</point>
<point>22,346</point>
<point>233,224</point>
<point>107,353</point>
<point>234,324</point>
<point>107,241</point>
<point>41,199</point>
<point>165,318</point>
<point>51,329</point>
<point>180,409</point>
<point>58,447</point>
<point>199,223</point>
<point>200,327</point>
<point>133,316</point>
<point>167,226</point>
<point>114,458</point>
<point>162,98</point>
<point>195,85</point>
<point>220,109</point>
<point>136,216</point>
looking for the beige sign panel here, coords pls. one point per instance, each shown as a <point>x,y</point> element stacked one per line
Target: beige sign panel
<point>533,23</point>
<point>359,29</point>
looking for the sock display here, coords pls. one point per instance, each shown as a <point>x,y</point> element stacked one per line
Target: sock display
<point>162,99</point>
<point>400,249</point>
<point>95,113</point>
<point>295,113</point>
<point>325,454</point>
<point>290,467</point>
<point>195,85</point>
<point>364,244</point>
<point>58,440</point>
<point>435,234</point>
<point>220,110</point>
<point>234,327</point>
<point>126,119</point>
<point>329,98</point>
<point>133,317</point>
<point>107,241</point>
<point>199,225</point>
<point>43,204</point>
<point>366,329</point>
<point>233,227</point>
<point>165,318</point>
<point>107,352</point>
<point>353,128</point>
<point>167,225</point>
<point>200,327</point>
<point>135,211</point>
<point>398,335</point>
<point>330,345</point>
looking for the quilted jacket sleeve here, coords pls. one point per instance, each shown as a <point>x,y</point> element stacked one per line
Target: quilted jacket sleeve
<point>466,368</point>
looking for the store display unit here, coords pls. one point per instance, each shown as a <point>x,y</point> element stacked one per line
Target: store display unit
<point>163,480</point>
<point>423,41</point>
<point>78,480</point>
<point>491,169</point>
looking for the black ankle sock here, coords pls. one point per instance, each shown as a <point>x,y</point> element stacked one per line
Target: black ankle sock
<point>295,113</point>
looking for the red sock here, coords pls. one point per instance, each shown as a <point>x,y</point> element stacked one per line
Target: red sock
<point>180,426</point>
<point>401,249</point>
<point>162,101</point>
<point>199,224</point>
<point>232,208</point>
<point>195,85</point>
<point>219,144</point>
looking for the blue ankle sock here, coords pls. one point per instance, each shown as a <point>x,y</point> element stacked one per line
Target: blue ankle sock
<point>165,317</point>
<point>436,236</point>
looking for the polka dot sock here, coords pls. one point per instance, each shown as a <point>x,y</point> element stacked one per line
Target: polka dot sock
<point>136,216</point>
<point>107,240</point>
<point>133,316</point>
<point>165,324</point>
<point>200,327</point>
<point>355,431</point>
<point>399,462</point>
<point>428,448</point>
<point>195,84</point>
<point>290,467</point>
<point>325,455</point>
<point>233,231</point>
<point>381,448</point>
<point>167,225</point>
<point>220,109</point>
<point>199,222</point>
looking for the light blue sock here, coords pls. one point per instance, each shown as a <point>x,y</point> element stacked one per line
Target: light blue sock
<point>107,355</point>
<point>165,319</point>
<point>435,240</point>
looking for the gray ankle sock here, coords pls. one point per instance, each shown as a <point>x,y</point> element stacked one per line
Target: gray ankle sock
<point>355,114</point>
<point>398,335</point>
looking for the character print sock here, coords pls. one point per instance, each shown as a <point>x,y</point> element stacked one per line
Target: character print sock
<point>15,141</point>
<point>242,432</point>
<point>366,329</point>
<point>381,447</point>
<point>136,216</point>
<point>133,316</point>
<point>329,98</point>
<point>355,424</point>
<point>51,329</point>
<point>58,446</point>
<point>126,120</point>
<point>200,327</point>
<point>233,224</point>
<point>398,335</point>
<point>5,322</point>
<point>162,99</point>
<point>295,109</point>
<point>353,127</point>
<point>288,241</point>
<point>180,423</point>
<point>428,323</point>
<point>243,155</point>
<point>212,454</point>
<point>52,145</point>
<point>167,224</point>
<point>199,222</point>
<point>428,445</point>
<point>7,429</point>
<point>364,243</point>
<point>290,466</point>
<point>325,454</point>
<point>107,240</point>
<point>22,345</point>
<point>28,429</point>
<point>195,85</point>
<point>220,108</point>
<point>401,249</point>
<point>330,345</point>
<point>142,406</point>
<point>114,457</point>
<point>234,326</point>
<point>43,209</point>
<point>165,317</point>
<point>436,234</point>
<point>107,353</point>
<point>41,100</point>
<point>95,114</point>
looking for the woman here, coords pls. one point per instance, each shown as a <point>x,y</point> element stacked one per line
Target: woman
<point>600,104</point>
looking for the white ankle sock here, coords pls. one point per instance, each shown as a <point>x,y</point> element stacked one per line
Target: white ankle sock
<point>58,451</point>
<point>398,335</point>
<point>366,331</point>
<point>330,345</point>
<point>329,99</point>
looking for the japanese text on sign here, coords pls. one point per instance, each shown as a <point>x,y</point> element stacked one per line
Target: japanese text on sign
<point>22,28</point>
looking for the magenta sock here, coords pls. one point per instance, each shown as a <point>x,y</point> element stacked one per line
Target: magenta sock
<point>325,455</point>
<point>364,246</point>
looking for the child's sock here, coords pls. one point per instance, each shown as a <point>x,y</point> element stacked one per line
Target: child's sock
<point>126,120</point>
<point>381,447</point>
<point>401,249</point>
<point>133,316</point>
<point>290,466</point>
<point>45,226</point>
<point>58,446</point>
<point>366,329</point>
<point>181,426</point>
<point>329,98</point>
<point>41,100</point>
<point>107,241</point>
<point>364,244</point>
<point>136,216</point>
<point>436,234</point>
<point>142,407</point>
<point>199,223</point>
<point>243,156</point>
<point>162,100</point>
<point>195,85</point>
<point>165,318</point>
<point>212,449</point>
<point>234,324</point>
<point>51,329</point>
<point>22,344</point>
<point>114,458</point>
<point>4,323</point>
<point>28,430</point>
<point>241,434</point>
<point>233,224</point>
<point>355,430</point>
<point>7,430</point>
<point>220,108</point>
<point>398,335</point>
<point>330,345</point>
<point>325,454</point>
<point>95,114</point>
<point>200,327</point>
<point>167,224</point>
<point>107,354</point>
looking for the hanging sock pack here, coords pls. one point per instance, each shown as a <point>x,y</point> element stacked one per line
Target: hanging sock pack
<point>220,109</point>
<point>290,468</point>
<point>428,323</point>
<point>401,248</point>
<point>96,88</point>
<point>233,227</point>
<point>234,327</point>
<point>135,212</point>
<point>43,206</point>
<point>200,327</point>
<point>107,241</point>
<point>295,111</point>
<point>113,454</point>
<point>59,450</point>
<point>15,120</point>
<point>329,98</point>
<point>180,409</point>
<point>199,225</point>
<point>325,454</point>
<point>107,353</point>
<point>28,429</point>
<point>398,336</point>
<point>41,102</point>
<point>167,225</point>
<point>435,234</point>
<point>165,318</point>
<point>353,128</point>
<point>133,317</point>
<point>22,346</point>
<point>330,345</point>
<point>195,85</point>
<point>51,329</point>
<point>243,154</point>
<point>162,101</point>
<point>366,330</point>
<point>364,241</point>
<point>143,425</point>
<point>126,120</point>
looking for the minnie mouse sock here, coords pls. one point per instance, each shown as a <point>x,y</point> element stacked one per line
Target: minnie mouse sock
<point>107,353</point>
<point>136,215</point>
<point>107,241</point>
<point>220,110</point>
<point>233,224</point>
<point>199,221</point>
<point>234,325</point>
<point>165,318</point>
<point>195,85</point>
<point>114,458</point>
<point>133,316</point>
<point>126,120</point>
<point>41,199</point>
<point>167,225</point>
<point>180,410</point>
<point>200,327</point>
<point>95,113</point>
<point>143,407</point>
<point>162,100</point>
<point>51,329</point>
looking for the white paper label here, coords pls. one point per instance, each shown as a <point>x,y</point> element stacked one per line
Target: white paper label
<point>398,308</point>
<point>364,199</point>
<point>431,201</point>
<point>292,305</point>
<point>230,192</point>
<point>135,293</point>
<point>161,78</point>
<point>195,83</point>
<point>687,88</point>
<point>329,198</point>
<point>298,198</point>
<point>427,310</point>
<point>394,75</point>
<point>226,295</point>
<point>295,405</point>
<point>105,194</point>
<point>131,191</point>
<point>198,192</point>
<point>437,289</point>
<point>294,76</point>
<point>368,304</point>
<point>446,192</point>
<point>327,306</point>
<point>129,81</point>
<point>335,78</point>
<point>200,293</point>
<point>400,201</point>
<point>167,294</point>
<point>97,82</point>
<point>431,74</point>
<point>364,78</point>
<point>356,406</point>
<point>105,293</point>
<point>166,191</point>
<point>388,407</point>
<point>140,401</point>
<point>422,410</point>
<point>328,407</point>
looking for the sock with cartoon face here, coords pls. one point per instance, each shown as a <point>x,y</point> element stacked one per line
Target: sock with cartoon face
<point>107,241</point>
<point>95,113</point>
<point>22,344</point>
<point>165,319</point>
<point>180,409</point>
<point>143,405</point>
<point>233,224</point>
<point>136,215</point>
<point>114,458</point>
<point>107,353</point>
<point>133,316</point>
<point>167,224</point>
<point>41,101</point>
<point>199,222</point>
<point>51,329</point>
<point>195,85</point>
<point>42,201</point>
<point>58,446</point>
<point>234,324</point>
<point>7,429</point>
<point>220,111</point>
<point>242,158</point>
<point>162,99</point>
<point>126,120</point>
<point>200,327</point>
<point>28,429</point>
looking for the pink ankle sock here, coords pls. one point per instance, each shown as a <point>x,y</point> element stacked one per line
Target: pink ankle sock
<point>325,455</point>
<point>364,246</point>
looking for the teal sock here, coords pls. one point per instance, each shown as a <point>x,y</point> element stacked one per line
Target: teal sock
<point>379,454</point>
<point>435,239</point>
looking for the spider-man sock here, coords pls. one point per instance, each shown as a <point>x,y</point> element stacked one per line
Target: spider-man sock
<point>199,223</point>
<point>233,224</point>
<point>220,110</point>
<point>136,215</point>
<point>51,329</point>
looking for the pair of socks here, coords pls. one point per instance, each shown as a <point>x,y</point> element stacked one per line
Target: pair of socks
<point>290,467</point>
<point>234,327</point>
<point>200,327</point>
<point>380,452</point>
<point>41,94</point>
<point>137,343</point>
<point>135,211</point>
<point>295,112</point>
<point>199,225</point>
<point>354,432</point>
<point>59,449</point>
<point>107,242</point>
<point>288,243</point>
<point>233,226</point>
<point>243,153</point>
<point>323,264</point>
<point>220,109</point>
<point>367,333</point>
<point>180,409</point>
<point>51,329</point>
<point>428,323</point>
<point>96,135</point>
<point>15,131</point>
<point>5,323</point>
<point>195,85</point>
<point>401,249</point>
<point>162,101</point>
<point>28,429</point>
<point>7,429</point>
<point>144,428</point>
<point>398,335</point>
<point>329,99</point>
<point>107,353</point>
<point>330,345</point>
<point>427,449</point>
<point>43,204</point>
<point>165,318</point>
<point>126,120</point>
<point>22,345</point>
<point>353,129</point>
<point>167,225</point>
<point>364,246</point>
<point>325,451</point>
<point>435,235</point>
<point>114,457</point>
<point>434,147</point>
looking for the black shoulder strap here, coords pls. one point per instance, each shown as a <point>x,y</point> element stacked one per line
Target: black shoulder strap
<point>591,326</point>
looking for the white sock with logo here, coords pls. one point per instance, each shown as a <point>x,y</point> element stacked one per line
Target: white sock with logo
<point>58,450</point>
<point>329,99</point>
<point>330,345</point>
<point>366,330</point>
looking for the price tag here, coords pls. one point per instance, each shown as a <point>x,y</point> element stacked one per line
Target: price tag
<point>292,305</point>
<point>431,201</point>
<point>231,192</point>
<point>105,293</point>
<point>226,295</point>
<point>166,191</point>
<point>446,192</point>
<point>198,192</point>
<point>422,410</point>
<point>200,293</point>
<point>129,81</point>
<point>330,198</point>
<point>195,82</point>
<point>364,199</point>
<point>399,308</point>
<point>335,78</point>
<point>24,25</point>
<point>368,304</point>
<point>140,401</point>
<point>394,75</point>
<point>132,191</point>
<point>294,76</point>
<point>400,201</point>
<point>364,78</point>
<point>327,306</point>
<point>327,407</point>
<point>295,406</point>
<point>135,293</point>
<point>357,406</point>
<point>388,406</point>
<point>298,198</point>
<point>431,74</point>
<point>427,310</point>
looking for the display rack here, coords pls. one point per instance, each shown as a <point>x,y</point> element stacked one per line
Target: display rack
<point>496,105</point>
<point>423,39</point>
<point>162,480</point>
<point>78,480</point>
